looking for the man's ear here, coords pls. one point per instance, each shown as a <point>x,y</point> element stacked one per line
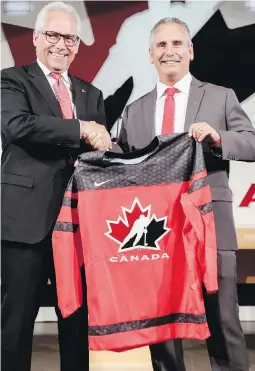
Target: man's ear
<point>191,51</point>
<point>151,56</point>
<point>35,37</point>
<point>77,46</point>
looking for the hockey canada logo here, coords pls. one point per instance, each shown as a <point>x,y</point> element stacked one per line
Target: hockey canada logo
<point>137,229</point>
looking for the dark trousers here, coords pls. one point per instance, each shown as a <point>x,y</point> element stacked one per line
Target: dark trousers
<point>25,269</point>
<point>226,346</point>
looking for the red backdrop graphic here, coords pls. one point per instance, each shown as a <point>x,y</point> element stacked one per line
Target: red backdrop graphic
<point>106,18</point>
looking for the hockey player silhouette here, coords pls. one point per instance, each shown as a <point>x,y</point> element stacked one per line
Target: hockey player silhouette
<point>139,228</point>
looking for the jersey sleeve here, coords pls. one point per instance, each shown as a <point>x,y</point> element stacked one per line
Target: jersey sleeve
<point>67,253</point>
<point>197,206</point>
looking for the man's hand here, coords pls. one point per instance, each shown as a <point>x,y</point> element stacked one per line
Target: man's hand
<point>95,135</point>
<point>202,131</point>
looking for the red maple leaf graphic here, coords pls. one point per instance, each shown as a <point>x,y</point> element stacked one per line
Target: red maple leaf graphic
<point>119,230</point>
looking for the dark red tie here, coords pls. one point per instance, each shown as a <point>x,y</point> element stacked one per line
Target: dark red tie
<point>168,116</point>
<point>62,96</point>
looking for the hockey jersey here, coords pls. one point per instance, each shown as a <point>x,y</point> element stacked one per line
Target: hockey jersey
<point>142,224</point>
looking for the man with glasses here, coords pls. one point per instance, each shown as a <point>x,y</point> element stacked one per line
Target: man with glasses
<point>48,118</point>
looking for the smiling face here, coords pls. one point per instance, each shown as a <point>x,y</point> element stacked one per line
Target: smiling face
<point>57,57</point>
<point>171,52</point>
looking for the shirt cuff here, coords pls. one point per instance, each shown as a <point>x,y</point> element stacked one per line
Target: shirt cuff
<point>216,148</point>
<point>216,143</point>
<point>80,130</point>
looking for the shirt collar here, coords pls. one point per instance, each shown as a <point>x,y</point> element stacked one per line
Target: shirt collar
<point>183,85</point>
<point>47,72</point>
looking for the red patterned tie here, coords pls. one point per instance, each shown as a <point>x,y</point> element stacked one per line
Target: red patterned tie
<point>62,96</point>
<point>168,117</point>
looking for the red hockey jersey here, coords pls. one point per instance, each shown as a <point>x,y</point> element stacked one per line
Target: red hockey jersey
<point>143,225</point>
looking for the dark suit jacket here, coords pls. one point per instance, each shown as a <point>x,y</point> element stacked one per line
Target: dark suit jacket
<point>39,149</point>
<point>219,107</point>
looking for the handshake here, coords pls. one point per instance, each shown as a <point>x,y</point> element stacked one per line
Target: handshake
<point>95,135</point>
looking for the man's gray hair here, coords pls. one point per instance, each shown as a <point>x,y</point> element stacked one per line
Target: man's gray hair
<point>56,6</point>
<point>170,20</point>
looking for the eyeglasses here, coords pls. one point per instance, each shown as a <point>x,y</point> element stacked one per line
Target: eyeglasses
<point>54,37</point>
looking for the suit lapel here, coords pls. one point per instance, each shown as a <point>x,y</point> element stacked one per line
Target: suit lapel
<point>41,83</point>
<point>80,92</point>
<point>148,109</point>
<point>194,102</point>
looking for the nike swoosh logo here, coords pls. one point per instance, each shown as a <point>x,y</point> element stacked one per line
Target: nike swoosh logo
<point>101,183</point>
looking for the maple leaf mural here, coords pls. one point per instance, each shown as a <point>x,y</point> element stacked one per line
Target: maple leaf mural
<point>106,18</point>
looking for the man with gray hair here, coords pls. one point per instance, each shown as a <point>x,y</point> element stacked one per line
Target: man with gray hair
<point>48,119</point>
<point>212,115</point>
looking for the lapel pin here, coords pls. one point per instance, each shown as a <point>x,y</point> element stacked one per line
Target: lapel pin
<point>83,90</point>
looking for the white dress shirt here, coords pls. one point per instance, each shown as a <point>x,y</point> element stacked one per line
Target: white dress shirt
<point>65,79</point>
<point>180,99</point>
